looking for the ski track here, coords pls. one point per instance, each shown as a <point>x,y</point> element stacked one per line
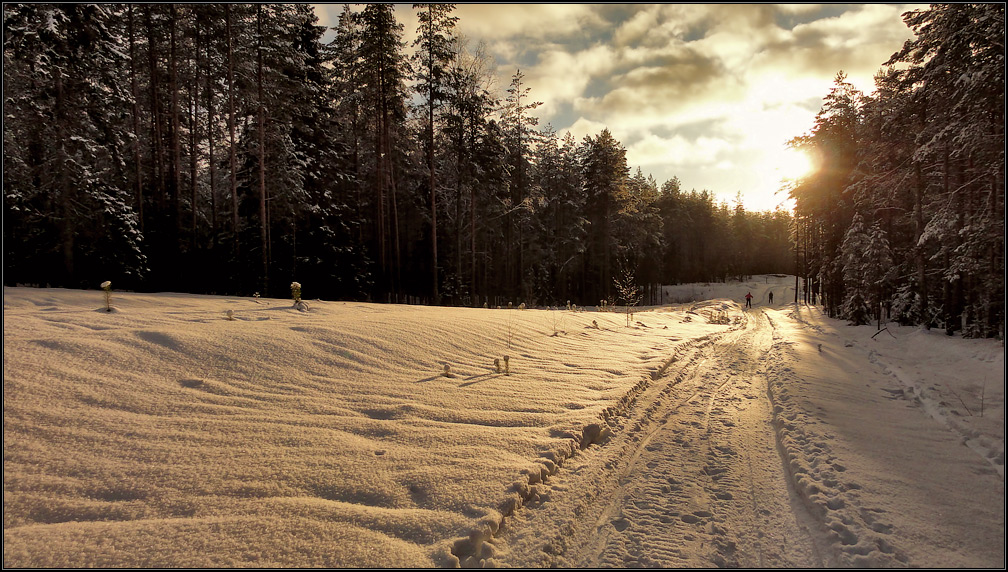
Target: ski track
<point>695,458</point>
<point>714,462</point>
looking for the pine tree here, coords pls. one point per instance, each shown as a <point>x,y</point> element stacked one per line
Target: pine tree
<point>433,59</point>
<point>855,263</point>
<point>466,116</point>
<point>65,178</point>
<point>820,199</point>
<point>956,74</point>
<point>383,72</point>
<point>519,125</point>
<point>606,177</point>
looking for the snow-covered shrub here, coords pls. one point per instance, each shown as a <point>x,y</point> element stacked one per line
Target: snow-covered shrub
<point>856,309</point>
<point>507,365</point>
<point>299,304</point>
<point>447,371</point>
<point>907,307</point>
<point>230,315</point>
<point>867,269</point>
<point>107,287</point>
<point>497,365</point>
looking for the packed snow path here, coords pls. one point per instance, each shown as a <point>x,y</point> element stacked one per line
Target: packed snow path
<point>698,463</point>
<point>719,464</point>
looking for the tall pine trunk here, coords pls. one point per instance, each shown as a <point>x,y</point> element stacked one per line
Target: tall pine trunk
<point>157,152</point>
<point>210,145</point>
<point>231,128</point>
<point>261,118</point>
<point>66,187</point>
<point>135,90</point>
<point>176,152</point>
<point>433,195</point>
<point>193,133</point>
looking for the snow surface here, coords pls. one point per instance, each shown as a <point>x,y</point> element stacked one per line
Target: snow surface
<point>164,434</point>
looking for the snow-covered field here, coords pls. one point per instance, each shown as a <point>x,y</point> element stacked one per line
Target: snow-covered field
<point>164,434</point>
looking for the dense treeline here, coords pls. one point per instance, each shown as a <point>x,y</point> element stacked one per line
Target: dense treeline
<point>905,216</point>
<point>224,148</point>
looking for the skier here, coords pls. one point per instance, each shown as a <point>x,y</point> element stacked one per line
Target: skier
<point>748,300</point>
<point>771,297</point>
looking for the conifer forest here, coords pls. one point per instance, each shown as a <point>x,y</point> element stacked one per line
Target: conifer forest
<point>226,149</point>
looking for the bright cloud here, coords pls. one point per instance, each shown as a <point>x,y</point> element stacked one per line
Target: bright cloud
<point>708,93</point>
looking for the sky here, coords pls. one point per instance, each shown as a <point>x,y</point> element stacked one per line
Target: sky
<point>710,94</point>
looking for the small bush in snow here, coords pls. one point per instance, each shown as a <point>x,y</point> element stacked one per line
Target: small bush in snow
<point>507,365</point>
<point>107,287</point>
<point>230,315</point>
<point>626,285</point>
<point>447,371</point>
<point>299,304</point>
<point>497,365</point>
<point>556,321</point>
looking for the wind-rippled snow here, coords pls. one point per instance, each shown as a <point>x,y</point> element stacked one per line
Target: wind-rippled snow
<point>164,433</point>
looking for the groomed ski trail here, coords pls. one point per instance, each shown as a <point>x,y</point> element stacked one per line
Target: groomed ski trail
<point>695,459</point>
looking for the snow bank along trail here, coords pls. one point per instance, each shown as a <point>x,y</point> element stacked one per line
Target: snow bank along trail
<point>891,481</point>
<point>168,433</point>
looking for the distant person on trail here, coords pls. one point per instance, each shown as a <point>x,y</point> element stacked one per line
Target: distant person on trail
<point>771,297</point>
<point>748,300</point>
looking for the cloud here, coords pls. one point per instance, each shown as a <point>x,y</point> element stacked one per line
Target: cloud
<point>563,76</point>
<point>704,92</point>
<point>679,152</point>
<point>527,23</point>
<point>857,41</point>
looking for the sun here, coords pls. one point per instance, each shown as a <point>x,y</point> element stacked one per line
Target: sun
<point>793,164</point>
<point>777,171</point>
